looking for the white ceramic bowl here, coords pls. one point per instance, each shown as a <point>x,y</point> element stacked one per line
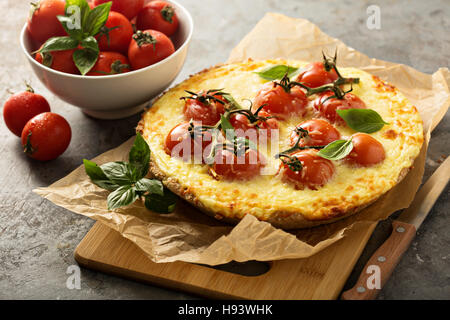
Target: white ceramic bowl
<point>116,96</point>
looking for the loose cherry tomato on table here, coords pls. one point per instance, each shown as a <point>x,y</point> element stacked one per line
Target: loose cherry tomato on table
<point>110,63</point>
<point>21,107</point>
<point>149,47</point>
<point>43,22</point>
<point>281,103</point>
<point>327,106</point>
<point>158,15</point>
<point>186,143</point>
<point>46,136</point>
<point>129,8</point>
<point>238,167</point>
<point>116,34</point>
<point>315,75</point>
<point>367,151</point>
<point>320,133</point>
<point>263,124</point>
<point>205,106</point>
<point>58,60</point>
<point>305,169</point>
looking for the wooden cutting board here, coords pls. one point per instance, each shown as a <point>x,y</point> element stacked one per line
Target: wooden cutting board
<point>321,276</point>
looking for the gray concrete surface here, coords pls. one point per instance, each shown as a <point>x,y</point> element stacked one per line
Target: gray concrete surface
<point>37,239</point>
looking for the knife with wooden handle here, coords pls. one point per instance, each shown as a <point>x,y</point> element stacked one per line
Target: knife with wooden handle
<point>404,228</point>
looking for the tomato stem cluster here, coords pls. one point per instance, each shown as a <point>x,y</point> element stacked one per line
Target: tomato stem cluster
<point>117,67</point>
<point>104,31</point>
<point>292,162</point>
<point>167,13</point>
<point>210,95</point>
<point>252,117</point>
<point>329,64</point>
<point>142,38</point>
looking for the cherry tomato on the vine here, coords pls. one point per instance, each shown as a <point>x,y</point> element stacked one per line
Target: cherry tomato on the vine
<point>277,102</point>
<point>315,171</point>
<point>46,136</point>
<point>315,75</point>
<point>367,151</point>
<point>182,142</point>
<point>327,106</point>
<point>208,111</point>
<point>242,167</point>
<point>243,127</point>
<point>320,133</point>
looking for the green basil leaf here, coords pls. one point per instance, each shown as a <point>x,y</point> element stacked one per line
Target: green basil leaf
<point>90,43</point>
<point>98,177</point>
<point>122,196</point>
<point>227,128</point>
<point>97,18</point>
<point>139,156</point>
<point>59,44</point>
<point>336,150</point>
<point>119,172</point>
<point>86,58</point>
<point>151,185</point>
<point>161,204</point>
<point>277,72</point>
<point>78,10</point>
<point>72,25</point>
<point>362,120</point>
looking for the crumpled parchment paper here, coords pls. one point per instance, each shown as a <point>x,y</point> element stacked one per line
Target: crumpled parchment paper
<point>188,235</point>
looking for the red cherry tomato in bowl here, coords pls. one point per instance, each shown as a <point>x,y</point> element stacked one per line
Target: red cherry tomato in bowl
<point>46,136</point>
<point>21,107</point>
<point>43,22</point>
<point>158,15</point>
<point>116,34</point>
<point>315,75</point>
<point>110,63</point>
<point>279,103</point>
<point>129,8</point>
<point>327,107</point>
<point>315,171</point>
<point>367,151</point>
<point>320,133</point>
<point>58,60</point>
<point>149,47</point>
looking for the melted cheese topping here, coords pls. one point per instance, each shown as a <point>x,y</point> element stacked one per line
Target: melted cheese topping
<point>267,194</point>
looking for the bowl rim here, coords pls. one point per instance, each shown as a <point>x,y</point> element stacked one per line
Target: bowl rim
<point>126,74</point>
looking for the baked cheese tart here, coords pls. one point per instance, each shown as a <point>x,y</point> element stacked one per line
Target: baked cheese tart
<point>292,143</point>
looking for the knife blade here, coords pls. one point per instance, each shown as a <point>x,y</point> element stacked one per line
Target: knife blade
<point>379,267</point>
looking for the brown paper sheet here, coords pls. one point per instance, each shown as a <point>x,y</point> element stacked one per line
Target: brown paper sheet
<point>188,235</point>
